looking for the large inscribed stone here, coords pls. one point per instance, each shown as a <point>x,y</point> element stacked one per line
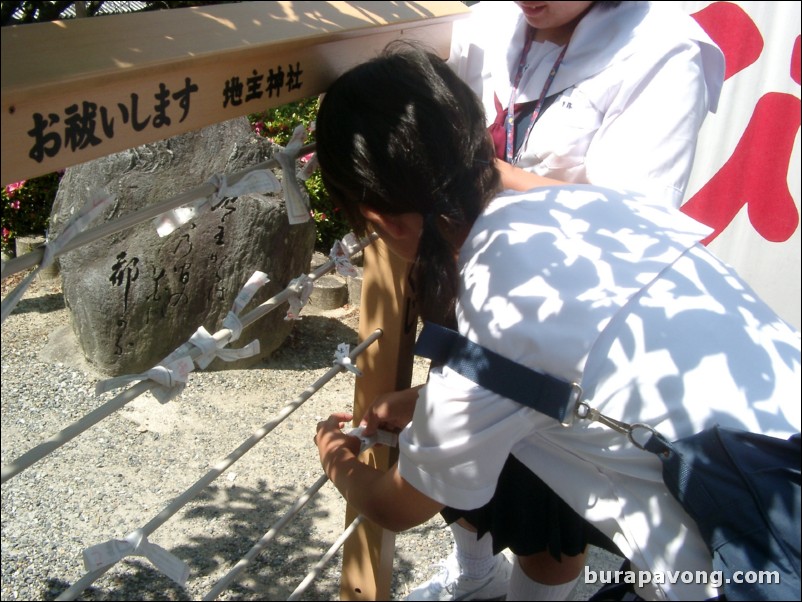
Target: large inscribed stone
<point>133,296</point>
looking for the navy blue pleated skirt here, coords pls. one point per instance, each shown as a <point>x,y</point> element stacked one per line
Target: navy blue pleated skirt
<point>526,516</point>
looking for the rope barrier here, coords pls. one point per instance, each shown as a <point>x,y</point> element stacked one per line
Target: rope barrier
<point>76,224</point>
<point>326,558</point>
<point>263,542</point>
<point>385,438</point>
<point>221,338</point>
<point>29,260</point>
<point>179,502</point>
<point>251,180</point>
<point>50,445</point>
<point>100,558</point>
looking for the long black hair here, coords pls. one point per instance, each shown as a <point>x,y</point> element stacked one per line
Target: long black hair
<point>402,133</point>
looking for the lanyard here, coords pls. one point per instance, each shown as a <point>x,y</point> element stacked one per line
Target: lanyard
<point>510,123</point>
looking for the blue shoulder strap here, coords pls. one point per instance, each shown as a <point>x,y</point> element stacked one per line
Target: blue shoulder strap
<point>488,369</point>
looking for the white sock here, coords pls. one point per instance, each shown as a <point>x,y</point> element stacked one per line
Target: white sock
<point>475,556</point>
<point>522,587</point>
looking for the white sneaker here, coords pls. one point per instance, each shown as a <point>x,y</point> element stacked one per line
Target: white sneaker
<point>450,584</point>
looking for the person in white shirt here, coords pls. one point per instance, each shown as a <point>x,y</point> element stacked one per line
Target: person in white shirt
<point>607,93</point>
<point>592,285</point>
<point>619,90</point>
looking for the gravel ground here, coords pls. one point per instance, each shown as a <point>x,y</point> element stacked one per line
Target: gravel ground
<point>121,473</point>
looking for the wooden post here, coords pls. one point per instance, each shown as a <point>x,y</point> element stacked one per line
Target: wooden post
<point>387,366</point>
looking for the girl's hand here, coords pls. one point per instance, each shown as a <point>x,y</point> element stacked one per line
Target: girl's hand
<point>382,496</point>
<point>332,443</point>
<point>391,411</point>
<point>515,178</point>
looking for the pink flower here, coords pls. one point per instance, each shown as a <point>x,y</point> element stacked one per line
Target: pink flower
<point>307,157</point>
<point>15,204</point>
<point>6,233</point>
<point>12,188</point>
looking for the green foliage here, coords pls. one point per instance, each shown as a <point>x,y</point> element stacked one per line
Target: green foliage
<point>330,224</point>
<point>277,125</point>
<point>26,207</point>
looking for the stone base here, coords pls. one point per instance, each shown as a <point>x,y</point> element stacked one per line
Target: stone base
<point>330,292</point>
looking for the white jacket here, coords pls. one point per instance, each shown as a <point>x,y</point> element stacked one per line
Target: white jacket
<point>635,86</point>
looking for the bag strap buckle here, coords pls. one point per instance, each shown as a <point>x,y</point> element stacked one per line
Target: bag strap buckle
<point>583,411</point>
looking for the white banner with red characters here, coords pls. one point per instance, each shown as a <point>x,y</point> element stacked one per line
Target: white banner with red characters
<point>746,178</point>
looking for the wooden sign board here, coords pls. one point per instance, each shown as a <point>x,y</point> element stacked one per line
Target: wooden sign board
<point>79,89</point>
